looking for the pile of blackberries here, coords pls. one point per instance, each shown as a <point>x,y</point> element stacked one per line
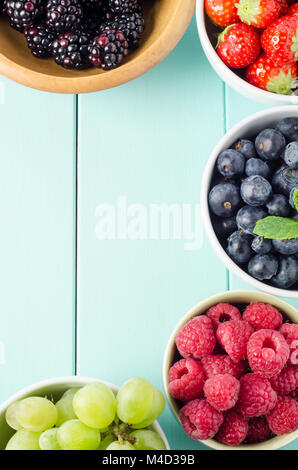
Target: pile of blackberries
<point>78,34</point>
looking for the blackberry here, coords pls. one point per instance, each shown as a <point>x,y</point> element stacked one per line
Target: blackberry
<point>70,50</point>
<point>123,6</point>
<point>39,40</point>
<point>23,13</point>
<point>131,24</point>
<point>108,50</point>
<point>64,15</point>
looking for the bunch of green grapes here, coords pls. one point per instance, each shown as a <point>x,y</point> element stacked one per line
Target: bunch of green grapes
<point>89,418</point>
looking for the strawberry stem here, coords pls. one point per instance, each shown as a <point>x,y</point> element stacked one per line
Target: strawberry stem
<point>248,10</point>
<point>281,84</point>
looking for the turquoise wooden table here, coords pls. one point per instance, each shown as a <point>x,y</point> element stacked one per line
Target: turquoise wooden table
<point>85,290</point>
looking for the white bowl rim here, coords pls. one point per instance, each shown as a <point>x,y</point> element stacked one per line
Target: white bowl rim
<point>283,439</point>
<point>72,381</point>
<point>230,77</point>
<point>229,263</point>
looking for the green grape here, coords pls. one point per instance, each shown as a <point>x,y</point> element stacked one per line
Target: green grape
<point>95,405</point>
<point>147,440</point>
<point>75,435</point>
<point>11,418</point>
<point>48,440</point>
<point>156,410</point>
<point>106,442</point>
<point>24,440</point>
<point>65,410</point>
<point>36,414</point>
<point>117,446</point>
<point>135,400</point>
<point>70,393</point>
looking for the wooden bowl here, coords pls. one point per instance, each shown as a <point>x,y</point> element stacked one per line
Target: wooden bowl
<point>166,21</point>
<point>233,297</point>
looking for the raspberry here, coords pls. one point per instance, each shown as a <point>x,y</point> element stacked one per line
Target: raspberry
<point>256,397</point>
<point>290,333</point>
<point>260,316</point>
<point>294,394</point>
<point>286,381</point>
<point>222,391</point>
<point>233,430</point>
<point>196,339</point>
<point>233,336</point>
<point>200,420</point>
<point>258,430</point>
<point>284,417</point>
<point>222,312</point>
<point>186,379</point>
<point>267,352</point>
<point>222,364</point>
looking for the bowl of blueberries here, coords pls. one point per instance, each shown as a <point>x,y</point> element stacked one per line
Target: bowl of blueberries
<point>249,200</point>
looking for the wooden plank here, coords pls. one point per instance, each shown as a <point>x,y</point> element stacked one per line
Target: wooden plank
<point>37,236</point>
<point>147,141</point>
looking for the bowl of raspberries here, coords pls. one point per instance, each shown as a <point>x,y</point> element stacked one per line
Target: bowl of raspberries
<point>231,372</point>
<point>249,200</point>
<point>78,46</point>
<point>252,45</point>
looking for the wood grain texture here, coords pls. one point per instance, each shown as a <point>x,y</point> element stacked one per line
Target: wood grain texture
<point>147,141</point>
<point>37,230</point>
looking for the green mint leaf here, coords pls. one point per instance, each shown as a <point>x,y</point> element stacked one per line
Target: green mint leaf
<point>280,228</point>
<point>295,198</point>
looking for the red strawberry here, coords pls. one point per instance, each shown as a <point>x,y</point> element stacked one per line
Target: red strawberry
<point>283,7</point>
<point>280,40</point>
<point>238,45</point>
<point>293,9</point>
<point>222,12</point>
<point>264,74</point>
<point>258,13</point>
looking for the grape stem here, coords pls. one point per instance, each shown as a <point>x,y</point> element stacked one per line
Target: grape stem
<point>121,432</point>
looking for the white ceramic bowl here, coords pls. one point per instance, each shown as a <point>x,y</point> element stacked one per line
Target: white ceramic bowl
<point>237,297</point>
<point>245,128</point>
<point>208,42</point>
<point>55,387</point>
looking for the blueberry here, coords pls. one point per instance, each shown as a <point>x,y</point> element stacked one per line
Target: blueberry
<point>287,274</point>
<point>288,127</point>
<point>231,163</point>
<point>269,144</point>
<point>225,226</point>
<point>224,199</point>
<point>255,191</point>
<point>248,216</point>
<point>256,166</point>
<point>278,206</point>
<point>239,248</point>
<point>290,154</point>
<point>261,245</point>
<point>291,197</point>
<point>284,179</point>
<point>286,247</point>
<point>246,147</point>
<point>263,267</point>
